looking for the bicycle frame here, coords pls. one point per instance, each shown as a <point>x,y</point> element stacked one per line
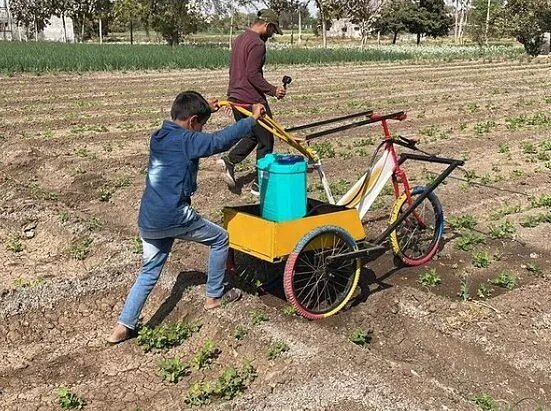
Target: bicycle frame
<point>362,195</point>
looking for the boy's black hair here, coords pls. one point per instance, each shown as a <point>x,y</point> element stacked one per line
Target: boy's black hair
<point>190,103</point>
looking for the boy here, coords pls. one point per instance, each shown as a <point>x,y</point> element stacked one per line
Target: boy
<point>165,211</point>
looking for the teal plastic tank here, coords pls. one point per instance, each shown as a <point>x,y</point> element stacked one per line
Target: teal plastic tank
<point>282,183</point>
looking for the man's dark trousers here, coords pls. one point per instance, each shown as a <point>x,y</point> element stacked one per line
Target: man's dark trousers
<point>260,137</point>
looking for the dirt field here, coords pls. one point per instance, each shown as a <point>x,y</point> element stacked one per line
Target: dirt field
<point>74,151</point>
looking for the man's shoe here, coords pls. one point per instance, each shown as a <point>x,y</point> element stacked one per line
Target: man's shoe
<point>255,191</point>
<point>228,172</point>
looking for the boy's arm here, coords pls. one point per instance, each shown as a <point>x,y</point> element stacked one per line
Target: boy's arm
<point>206,144</point>
<point>255,61</point>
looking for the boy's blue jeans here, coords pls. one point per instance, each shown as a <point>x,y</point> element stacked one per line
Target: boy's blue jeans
<point>155,254</point>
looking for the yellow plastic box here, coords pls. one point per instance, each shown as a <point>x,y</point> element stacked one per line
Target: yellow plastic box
<point>272,241</point>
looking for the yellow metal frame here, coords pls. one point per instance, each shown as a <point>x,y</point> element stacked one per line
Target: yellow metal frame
<point>273,127</point>
<point>272,241</point>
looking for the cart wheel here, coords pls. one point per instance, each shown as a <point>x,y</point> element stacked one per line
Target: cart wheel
<point>251,273</point>
<point>416,239</point>
<point>316,287</point>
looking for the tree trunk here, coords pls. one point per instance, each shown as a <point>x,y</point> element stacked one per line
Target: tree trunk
<point>323,25</point>
<point>64,27</point>
<point>292,30</point>
<point>487,23</point>
<point>100,31</point>
<point>299,26</point>
<point>35,29</point>
<point>131,32</point>
<point>464,25</point>
<point>82,26</point>
<point>418,38</point>
<point>324,33</point>
<point>456,27</point>
<point>395,37</point>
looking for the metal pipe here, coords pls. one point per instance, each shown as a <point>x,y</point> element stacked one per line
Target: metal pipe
<point>332,120</point>
<point>374,119</point>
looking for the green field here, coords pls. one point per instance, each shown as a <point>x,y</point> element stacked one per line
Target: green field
<point>51,57</point>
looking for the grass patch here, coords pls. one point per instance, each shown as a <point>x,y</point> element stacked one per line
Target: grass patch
<point>22,283</point>
<point>464,290</point>
<point>468,241</point>
<point>339,187</point>
<point>544,200</point>
<point>137,245</point>
<point>481,259</point>
<point>324,149</point>
<point>534,269</point>
<point>505,211</point>
<point>14,244</point>
<point>240,333</point>
<point>486,403</point>
<point>483,292</point>
<point>68,400</point>
<point>229,385</point>
<point>289,310</point>
<point>80,249</point>
<point>484,127</point>
<point>277,349</point>
<point>105,193</point>
<point>361,337</point>
<point>173,369</point>
<point>429,278</point>
<point>50,56</point>
<point>258,317</point>
<point>505,279</point>
<point>164,337</point>
<point>206,355</point>
<point>466,221</point>
<point>503,230</point>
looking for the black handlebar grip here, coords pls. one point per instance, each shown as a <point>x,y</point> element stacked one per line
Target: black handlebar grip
<point>286,81</point>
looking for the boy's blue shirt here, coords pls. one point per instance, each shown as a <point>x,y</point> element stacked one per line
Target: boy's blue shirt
<point>172,172</point>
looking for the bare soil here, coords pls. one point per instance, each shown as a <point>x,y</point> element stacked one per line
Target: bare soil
<point>70,141</point>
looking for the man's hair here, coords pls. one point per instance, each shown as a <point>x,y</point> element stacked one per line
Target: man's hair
<point>190,103</point>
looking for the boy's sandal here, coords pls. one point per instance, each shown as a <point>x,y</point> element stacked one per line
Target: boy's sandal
<point>123,336</point>
<point>230,296</point>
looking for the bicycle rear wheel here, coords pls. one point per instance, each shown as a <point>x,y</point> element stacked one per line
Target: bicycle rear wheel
<point>315,285</point>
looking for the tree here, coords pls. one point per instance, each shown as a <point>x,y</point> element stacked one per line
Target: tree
<point>429,18</point>
<point>393,18</point>
<point>31,13</point>
<point>174,19</point>
<point>128,12</point>
<point>284,7</point>
<point>85,13</point>
<point>483,19</point>
<point>528,20</point>
<point>327,10</point>
<point>363,13</point>
<point>62,8</point>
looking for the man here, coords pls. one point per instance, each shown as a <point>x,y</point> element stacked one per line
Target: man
<point>248,86</point>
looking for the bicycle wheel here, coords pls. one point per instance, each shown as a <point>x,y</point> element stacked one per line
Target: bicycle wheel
<point>251,273</point>
<point>416,239</point>
<point>318,287</point>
